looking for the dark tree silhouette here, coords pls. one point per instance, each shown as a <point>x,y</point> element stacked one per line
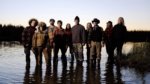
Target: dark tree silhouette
<point>13,33</point>
<point>138,36</point>
<point>10,32</point>
<point>0,25</point>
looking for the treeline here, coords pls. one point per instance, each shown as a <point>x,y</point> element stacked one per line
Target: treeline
<point>13,33</point>
<point>138,36</point>
<point>10,32</point>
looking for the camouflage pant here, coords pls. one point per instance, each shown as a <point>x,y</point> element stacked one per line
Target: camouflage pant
<point>78,51</point>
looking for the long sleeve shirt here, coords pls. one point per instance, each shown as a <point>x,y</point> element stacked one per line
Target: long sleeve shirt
<point>78,34</point>
<point>27,36</point>
<point>96,34</point>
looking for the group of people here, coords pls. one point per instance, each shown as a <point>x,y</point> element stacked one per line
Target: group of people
<point>45,40</point>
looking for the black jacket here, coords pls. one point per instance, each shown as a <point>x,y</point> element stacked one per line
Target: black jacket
<point>96,34</point>
<point>119,33</point>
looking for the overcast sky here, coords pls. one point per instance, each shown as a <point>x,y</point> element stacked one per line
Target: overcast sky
<point>135,12</point>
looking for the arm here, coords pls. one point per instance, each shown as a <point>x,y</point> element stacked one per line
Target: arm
<point>89,38</point>
<point>45,40</point>
<point>23,37</point>
<point>54,36</point>
<point>83,36</point>
<point>102,37</point>
<point>34,40</point>
<point>125,34</point>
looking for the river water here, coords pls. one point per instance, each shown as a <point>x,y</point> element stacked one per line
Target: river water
<point>14,71</point>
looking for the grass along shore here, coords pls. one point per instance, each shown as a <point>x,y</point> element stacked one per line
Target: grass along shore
<point>139,57</point>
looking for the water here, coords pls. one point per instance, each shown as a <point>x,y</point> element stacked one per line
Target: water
<point>14,71</point>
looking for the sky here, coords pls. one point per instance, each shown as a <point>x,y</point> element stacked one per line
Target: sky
<point>135,12</point>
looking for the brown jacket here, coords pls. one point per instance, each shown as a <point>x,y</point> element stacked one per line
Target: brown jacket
<point>39,39</point>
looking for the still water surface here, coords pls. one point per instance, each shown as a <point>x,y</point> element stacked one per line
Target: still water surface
<point>14,71</point>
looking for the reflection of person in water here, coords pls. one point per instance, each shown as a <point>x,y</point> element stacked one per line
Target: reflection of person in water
<point>54,78</point>
<point>48,73</point>
<point>71,72</point>
<point>93,75</point>
<point>109,72</point>
<point>78,78</point>
<point>55,73</point>
<point>110,75</point>
<point>118,73</point>
<point>35,78</point>
<point>27,75</point>
<point>64,74</point>
<point>37,75</point>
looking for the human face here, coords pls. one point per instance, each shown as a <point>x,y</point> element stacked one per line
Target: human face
<point>76,22</point>
<point>120,20</point>
<point>109,25</point>
<point>52,22</point>
<point>68,26</point>
<point>59,24</point>
<point>89,25</point>
<point>95,24</point>
<point>33,23</point>
<point>40,29</point>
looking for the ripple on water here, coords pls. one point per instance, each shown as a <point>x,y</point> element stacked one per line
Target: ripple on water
<point>13,70</point>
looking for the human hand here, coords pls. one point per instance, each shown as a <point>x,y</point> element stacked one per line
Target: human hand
<point>89,45</point>
<point>103,44</point>
<point>83,44</point>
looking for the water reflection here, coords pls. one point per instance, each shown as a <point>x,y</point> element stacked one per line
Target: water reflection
<point>69,75</point>
<point>48,73</point>
<point>9,44</point>
<point>71,72</point>
<point>35,78</point>
<point>37,75</point>
<point>27,75</point>
<point>118,73</point>
<point>93,75</point>
<point>109,72</point>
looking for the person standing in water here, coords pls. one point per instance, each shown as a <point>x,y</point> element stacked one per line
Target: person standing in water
<point>78,39</point>
<point>95,40</point>
<point>89,27</point>
<point>27,38</point>
<point>119,36</point>
<point>50,42</point>
<point>59,42</point>
<point>108,39</point>
<point>69,45</point>
<point>39,42</point>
